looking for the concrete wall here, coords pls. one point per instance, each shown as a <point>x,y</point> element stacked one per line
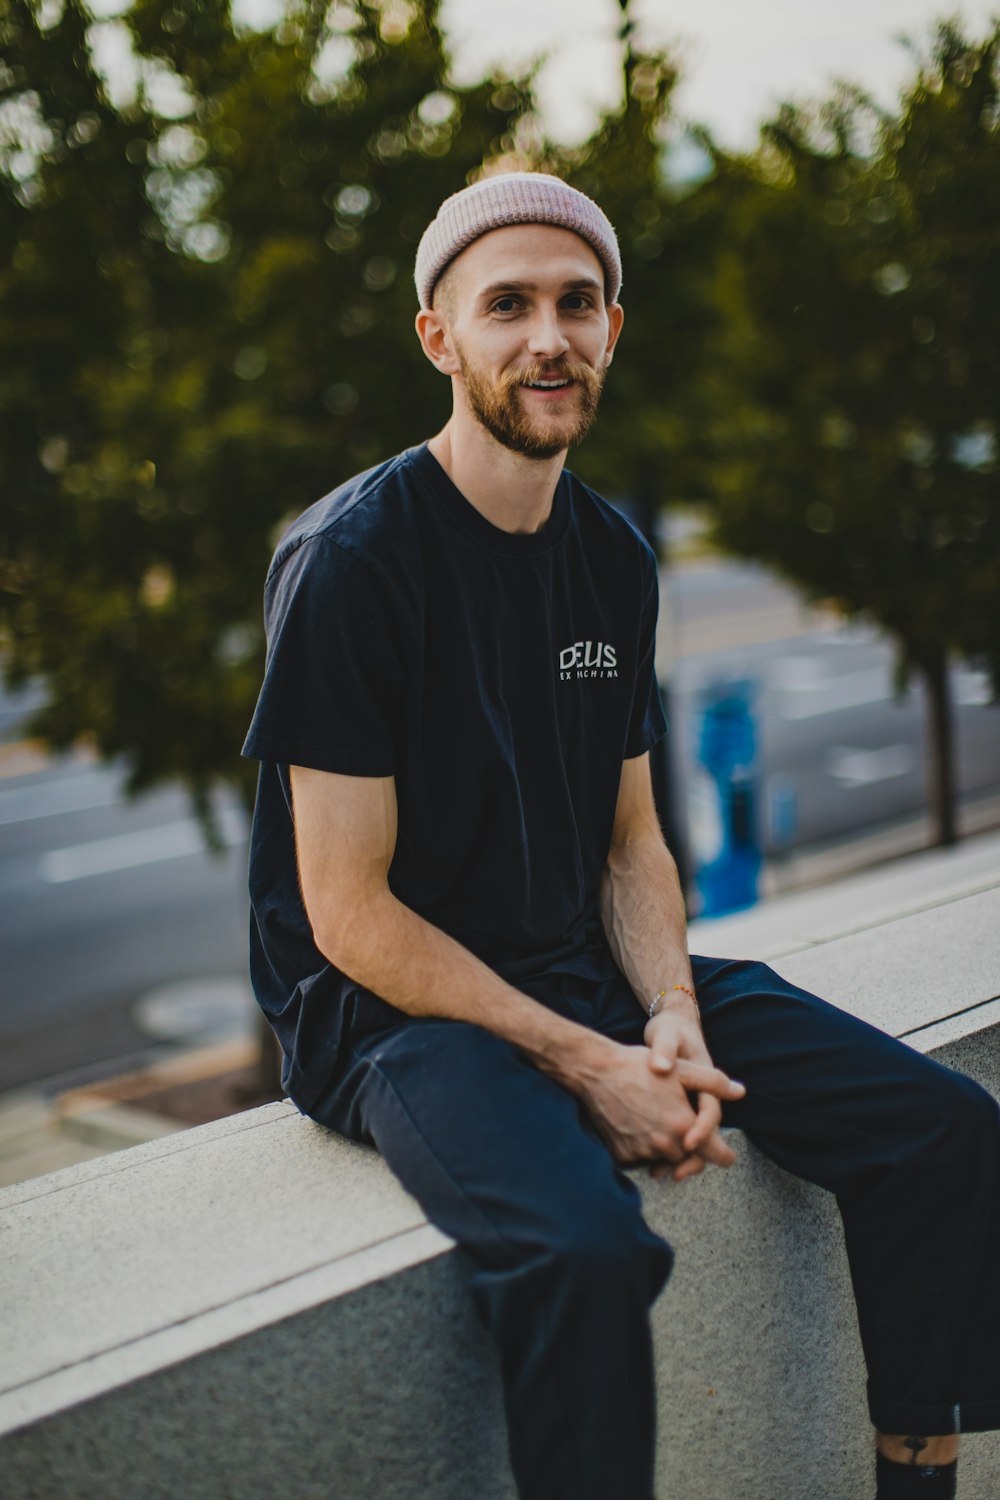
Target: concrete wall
<point>257,1307</point>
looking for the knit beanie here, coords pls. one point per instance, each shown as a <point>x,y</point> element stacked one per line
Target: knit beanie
<point>514,198</point>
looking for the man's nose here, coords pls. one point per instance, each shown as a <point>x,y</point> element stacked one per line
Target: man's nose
<point>546,339</point>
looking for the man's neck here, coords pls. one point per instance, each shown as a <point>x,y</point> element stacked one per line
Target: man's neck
<point>512,491</point>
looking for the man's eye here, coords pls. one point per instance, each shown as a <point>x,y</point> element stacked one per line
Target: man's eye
<point>580,301</point>
<point>505,304</point>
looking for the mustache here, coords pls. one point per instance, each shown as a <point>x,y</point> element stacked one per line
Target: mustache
<point>583,375</point>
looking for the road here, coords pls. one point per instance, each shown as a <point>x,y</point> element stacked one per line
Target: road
<point>833,735</point>
<point>104,901</point>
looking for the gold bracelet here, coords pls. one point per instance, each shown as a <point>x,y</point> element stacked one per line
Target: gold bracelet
<point>651,1009</point>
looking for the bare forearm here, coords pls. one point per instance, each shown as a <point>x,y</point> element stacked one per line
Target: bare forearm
<point>419,969</point>
<point>642,911</point>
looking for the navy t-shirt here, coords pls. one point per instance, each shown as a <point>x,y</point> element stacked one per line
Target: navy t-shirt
<point>500,678</point>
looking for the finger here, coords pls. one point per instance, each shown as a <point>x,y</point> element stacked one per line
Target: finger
<point>662,1057</point>
<point>717,1151</point>
<point>712,1080</point>
<point>707,1120</point>
<point>689,1167</point>
<point>673,1153</point>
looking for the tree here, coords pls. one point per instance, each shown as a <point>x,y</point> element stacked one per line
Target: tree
<point>858,450</point>
<point>645,447</point>
<point>206,322</point>
<point>206,313</point>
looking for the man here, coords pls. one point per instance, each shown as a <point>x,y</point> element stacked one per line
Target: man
<point>468,932</point>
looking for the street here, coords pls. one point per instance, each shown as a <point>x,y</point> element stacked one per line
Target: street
<point>105,901</point>
<point>833,737</point>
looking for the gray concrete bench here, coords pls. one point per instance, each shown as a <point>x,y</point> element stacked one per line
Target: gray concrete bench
<point>256,1308</point>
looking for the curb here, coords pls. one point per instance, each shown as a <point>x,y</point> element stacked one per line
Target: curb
<point>110,1113</point>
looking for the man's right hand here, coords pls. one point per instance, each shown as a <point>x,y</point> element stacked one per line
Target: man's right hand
<point>644,1115</point>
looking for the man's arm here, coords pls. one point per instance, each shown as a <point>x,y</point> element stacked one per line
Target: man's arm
<point>345,829</point>
<point>642,912</point>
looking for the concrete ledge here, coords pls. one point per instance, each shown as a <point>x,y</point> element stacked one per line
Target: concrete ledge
<point>257,1306</point>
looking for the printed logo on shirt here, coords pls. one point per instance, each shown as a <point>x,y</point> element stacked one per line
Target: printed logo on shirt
<point>588,659</point>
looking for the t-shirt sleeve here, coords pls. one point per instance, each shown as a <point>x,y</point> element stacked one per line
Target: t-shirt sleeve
<point>648,722</point>
<point>333,679</point>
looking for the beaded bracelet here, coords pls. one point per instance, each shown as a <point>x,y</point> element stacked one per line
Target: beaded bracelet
<point>651,1009</point>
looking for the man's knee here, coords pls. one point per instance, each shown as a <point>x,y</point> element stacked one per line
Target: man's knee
<point>960,1115</point>
<point>610,1241</point>
<point>975,1110</point>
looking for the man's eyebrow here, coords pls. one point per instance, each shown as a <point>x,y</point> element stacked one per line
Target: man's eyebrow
<point>578,284</point>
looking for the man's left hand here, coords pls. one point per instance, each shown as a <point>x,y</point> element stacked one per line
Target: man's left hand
<point>675,1039</point>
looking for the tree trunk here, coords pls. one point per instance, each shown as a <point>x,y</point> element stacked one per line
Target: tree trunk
<point>942,749</point>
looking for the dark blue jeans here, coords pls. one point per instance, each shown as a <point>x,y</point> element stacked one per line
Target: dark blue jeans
<point>563,1267</point>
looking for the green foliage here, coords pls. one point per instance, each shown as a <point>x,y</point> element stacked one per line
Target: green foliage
<point>858,452</point>
<point>645,447</point>
<point>206,322</point>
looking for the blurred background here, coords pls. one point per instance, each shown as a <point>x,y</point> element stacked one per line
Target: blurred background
<point>208,219</point>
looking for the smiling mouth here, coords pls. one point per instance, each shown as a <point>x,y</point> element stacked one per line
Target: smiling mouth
<point>547,385</point>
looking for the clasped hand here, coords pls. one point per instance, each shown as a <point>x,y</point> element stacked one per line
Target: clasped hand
<point>661,1101</point>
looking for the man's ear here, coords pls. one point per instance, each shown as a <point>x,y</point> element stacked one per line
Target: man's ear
<point>616,317</point>
<point>435,341</point>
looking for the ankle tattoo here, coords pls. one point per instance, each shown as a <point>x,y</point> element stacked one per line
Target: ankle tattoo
<point>916,1446</point>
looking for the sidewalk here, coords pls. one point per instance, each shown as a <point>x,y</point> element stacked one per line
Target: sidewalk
<point>31,1141</point>
<point>854,855</point>
<point>801,918</point>
<point>42,1130</point>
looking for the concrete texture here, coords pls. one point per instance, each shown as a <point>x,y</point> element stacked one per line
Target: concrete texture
<point>978,1054</point>
<point>74,1239</point>
<point>910,947</point>
<point>257,1306</point>
<point>911,972</point>
<point>389,1391</point>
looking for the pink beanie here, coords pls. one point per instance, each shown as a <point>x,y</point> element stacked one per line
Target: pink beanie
<point>514,198</point>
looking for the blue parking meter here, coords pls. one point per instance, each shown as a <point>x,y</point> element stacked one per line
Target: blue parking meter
<point>725,846</point>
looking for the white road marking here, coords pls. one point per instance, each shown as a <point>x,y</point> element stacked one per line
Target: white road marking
<point>145,846</point>
<point>851,633</point>
<point>795,674</point>
<point>972,689</point>
<point>814,692</point>
<point>818,694</point>
<point>49,799</point>
<point>856,768</point>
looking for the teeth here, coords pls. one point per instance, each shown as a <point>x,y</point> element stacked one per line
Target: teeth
<point>547,385</point>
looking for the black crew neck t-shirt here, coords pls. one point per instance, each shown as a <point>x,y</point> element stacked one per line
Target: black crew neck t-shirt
<point>500,677</point>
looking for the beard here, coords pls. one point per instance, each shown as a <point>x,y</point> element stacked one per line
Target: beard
<point>499,406</point>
